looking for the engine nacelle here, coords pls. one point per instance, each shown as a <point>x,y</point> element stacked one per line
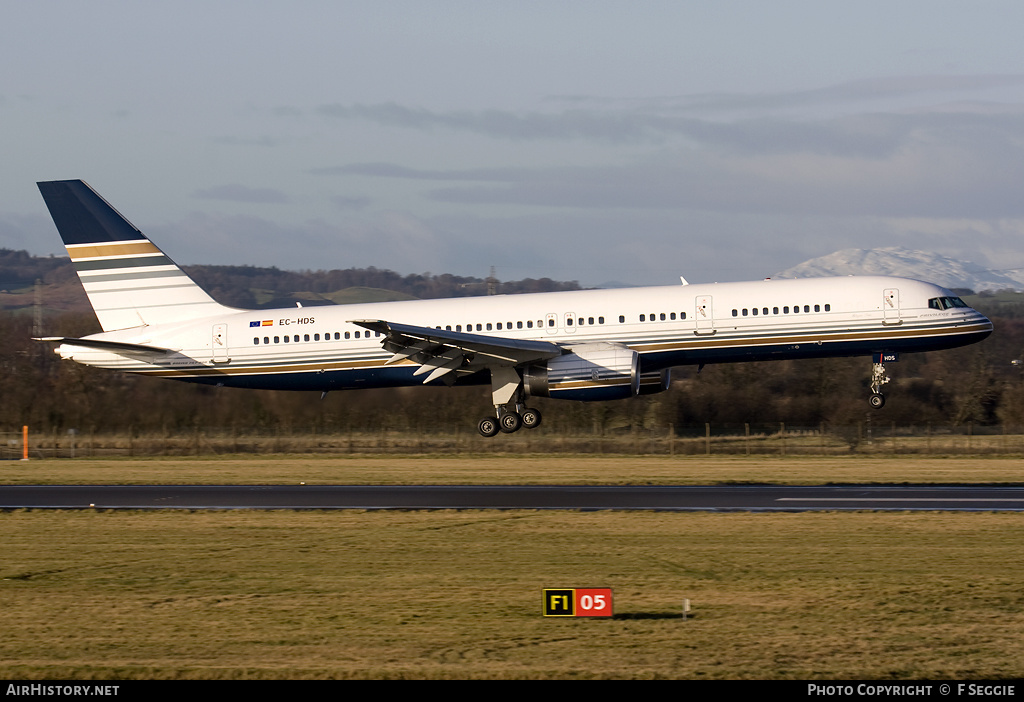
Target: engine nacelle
<point>653,383</point>
<point>592,372</point>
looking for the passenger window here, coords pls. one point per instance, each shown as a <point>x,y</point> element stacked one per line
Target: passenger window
<point>551,322</point>
<point>499,326</point>
<point>828,308</point>
<point>568,321</point>
<point>305,337</point>
<point>622,318</point>
<point>744,311</point>
<point>817,308</point>
<point>807,308</point>
<point>287,339</point>
<point>643,318</point>
<point>277,339</point>
<point>519,325</point>
<point>735,313</point>
<point>256,340</point>
<point>479,327</point>
<point>672,315</point>
<point>357,335</point>
<point>775,310</point>
<point>754,311</point>
<point>488,326</point>
<point>347,335</point>
<point>529,324</point>
<point>266,340</point>
<point>600,320</point>
<point>785,310</point>
<point>590,320</point>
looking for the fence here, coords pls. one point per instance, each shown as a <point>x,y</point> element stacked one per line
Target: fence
<point>707,440</point>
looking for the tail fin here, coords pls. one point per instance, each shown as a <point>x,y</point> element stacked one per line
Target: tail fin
<point>129,281</point>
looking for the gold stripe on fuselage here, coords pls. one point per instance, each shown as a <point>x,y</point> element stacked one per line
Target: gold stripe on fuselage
<point>117,248</point>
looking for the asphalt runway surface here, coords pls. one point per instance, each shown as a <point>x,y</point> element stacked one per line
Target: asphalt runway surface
<point>723,498</point>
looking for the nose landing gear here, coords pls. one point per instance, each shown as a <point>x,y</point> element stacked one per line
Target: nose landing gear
<point>878,379</point>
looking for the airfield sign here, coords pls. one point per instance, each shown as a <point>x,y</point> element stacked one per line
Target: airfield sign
<point>578,602</point>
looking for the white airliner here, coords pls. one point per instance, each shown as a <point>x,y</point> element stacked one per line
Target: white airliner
<point>579,345</point>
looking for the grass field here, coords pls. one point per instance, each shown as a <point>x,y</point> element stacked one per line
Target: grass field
<point>457,594</point>
<point>513,469</point>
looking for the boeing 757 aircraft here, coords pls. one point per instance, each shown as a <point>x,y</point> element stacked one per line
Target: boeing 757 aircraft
<point>580,345</point>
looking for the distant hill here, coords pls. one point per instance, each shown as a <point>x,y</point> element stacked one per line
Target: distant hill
<point>907,263</point>
<point>249,287</point>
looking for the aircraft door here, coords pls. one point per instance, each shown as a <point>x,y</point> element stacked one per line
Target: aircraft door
<point>219,344</point>
<point>551,323</point>
<point>891,306</point>
<point>570,322</point>
<point>704,314</point>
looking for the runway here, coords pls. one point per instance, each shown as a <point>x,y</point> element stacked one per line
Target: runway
<point>722,498</point>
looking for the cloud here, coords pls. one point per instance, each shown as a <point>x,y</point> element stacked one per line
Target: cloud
<point>615,127</point>
<point>393,170</point>
<point>344,202</point>
<point>849,93</point>
<point>743,124</point>
<point>241,193</point>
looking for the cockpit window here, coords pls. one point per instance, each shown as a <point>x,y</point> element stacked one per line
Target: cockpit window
<point>945,303</point>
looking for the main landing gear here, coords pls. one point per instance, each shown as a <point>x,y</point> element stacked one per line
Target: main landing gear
<point>510,410</point>
<point>510,420</point>
<point>878,379</point>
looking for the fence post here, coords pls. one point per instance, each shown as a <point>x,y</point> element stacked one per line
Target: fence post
<point>707,438</point>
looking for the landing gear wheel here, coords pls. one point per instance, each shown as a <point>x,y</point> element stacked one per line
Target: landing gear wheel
<point>877,400</point>
<point>510,422</point>
<point>531,418</point>
<point>488,426</point>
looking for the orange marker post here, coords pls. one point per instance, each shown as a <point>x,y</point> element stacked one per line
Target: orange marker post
<point>24,442</point>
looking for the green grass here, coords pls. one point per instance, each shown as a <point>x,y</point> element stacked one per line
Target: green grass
<point>458,595</point>
<point>512,469</point>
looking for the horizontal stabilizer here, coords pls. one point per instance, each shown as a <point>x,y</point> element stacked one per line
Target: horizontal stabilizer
<point>112,346</point>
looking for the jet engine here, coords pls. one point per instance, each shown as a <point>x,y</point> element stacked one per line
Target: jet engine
<point>653,383</point>
<point>598,371</point>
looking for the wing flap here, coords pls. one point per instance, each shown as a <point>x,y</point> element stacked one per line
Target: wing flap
<point>439,351</point>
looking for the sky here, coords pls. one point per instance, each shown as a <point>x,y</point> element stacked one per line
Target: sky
<point>592,141</point>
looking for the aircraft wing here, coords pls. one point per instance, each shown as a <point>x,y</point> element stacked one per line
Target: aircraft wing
<point>440,352</point>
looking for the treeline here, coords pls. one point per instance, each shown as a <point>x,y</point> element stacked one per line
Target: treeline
<point>975,385</point>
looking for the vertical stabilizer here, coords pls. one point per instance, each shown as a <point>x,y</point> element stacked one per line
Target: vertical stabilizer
<point>129,281</point>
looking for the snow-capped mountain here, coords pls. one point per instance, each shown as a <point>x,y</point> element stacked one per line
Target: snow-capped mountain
<point>906,263</point>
